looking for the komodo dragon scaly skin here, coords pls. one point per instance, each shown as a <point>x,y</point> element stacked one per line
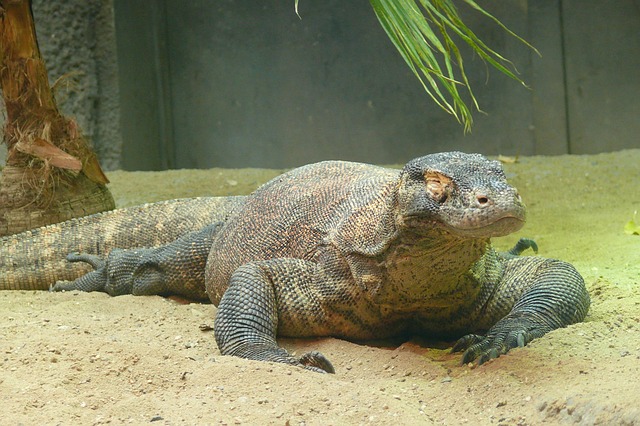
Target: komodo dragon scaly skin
<point>36,259</point>
<point>330,249</point>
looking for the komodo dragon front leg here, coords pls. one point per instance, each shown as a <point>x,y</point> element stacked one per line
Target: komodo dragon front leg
<point>544,295</point>
<point>268,298</point>
<point>176,268</point>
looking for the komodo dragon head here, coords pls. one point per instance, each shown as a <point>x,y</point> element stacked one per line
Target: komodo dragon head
<point>464,194</point>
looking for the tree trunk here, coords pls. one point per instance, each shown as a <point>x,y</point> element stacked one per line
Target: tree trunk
<point>51,174</point>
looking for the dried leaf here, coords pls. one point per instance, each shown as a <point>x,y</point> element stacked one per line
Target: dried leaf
<point>92,169</point>
<point>50,153</point>
<point>507,160</point>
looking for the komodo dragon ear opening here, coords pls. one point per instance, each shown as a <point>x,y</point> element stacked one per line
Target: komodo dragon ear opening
<point>438,185</point>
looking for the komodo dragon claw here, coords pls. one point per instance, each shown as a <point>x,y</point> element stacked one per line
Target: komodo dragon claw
<point>508,333</point>
<point>317,362</point>
<point>96,262</point>
<point>522,245</point>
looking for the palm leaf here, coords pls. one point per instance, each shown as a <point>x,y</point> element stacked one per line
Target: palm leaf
<point>408,23</point>
<point>430,56</point>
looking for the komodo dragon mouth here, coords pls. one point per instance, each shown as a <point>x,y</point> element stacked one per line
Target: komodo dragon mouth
<point>497,227</point>
<point>479,223</point>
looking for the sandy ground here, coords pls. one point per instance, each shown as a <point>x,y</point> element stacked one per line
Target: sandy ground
<point>77,358</point>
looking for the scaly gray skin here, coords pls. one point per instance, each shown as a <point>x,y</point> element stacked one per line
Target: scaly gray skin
<point>36,259</point>
<point>362,252</point>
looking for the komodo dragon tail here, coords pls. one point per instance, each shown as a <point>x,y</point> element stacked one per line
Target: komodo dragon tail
<point>36,259</point>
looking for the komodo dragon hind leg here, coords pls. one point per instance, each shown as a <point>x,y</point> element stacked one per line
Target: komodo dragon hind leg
<point>176,268</point>
<point>259,295</point>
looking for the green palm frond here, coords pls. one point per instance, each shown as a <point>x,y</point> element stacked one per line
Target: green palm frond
<point>409,24</point>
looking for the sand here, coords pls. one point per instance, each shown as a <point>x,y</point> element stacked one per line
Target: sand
<point>87,358</point>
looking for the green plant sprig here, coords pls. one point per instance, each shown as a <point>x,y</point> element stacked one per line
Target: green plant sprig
<point>408,23</point>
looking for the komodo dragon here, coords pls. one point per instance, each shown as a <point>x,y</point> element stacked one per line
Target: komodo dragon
<point>335,248</point>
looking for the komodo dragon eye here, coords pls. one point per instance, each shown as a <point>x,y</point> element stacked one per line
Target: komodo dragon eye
<point>438,186</point>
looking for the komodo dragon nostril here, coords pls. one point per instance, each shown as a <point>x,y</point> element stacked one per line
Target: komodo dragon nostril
<point>482,199</point>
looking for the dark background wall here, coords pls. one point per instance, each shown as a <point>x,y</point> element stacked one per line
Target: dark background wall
<point>247,83</point>
<point>240,83</point>
<point>602,61</point>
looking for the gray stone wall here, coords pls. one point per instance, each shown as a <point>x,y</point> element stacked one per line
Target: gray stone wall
<point>247,83</point>
<point>77,42</point>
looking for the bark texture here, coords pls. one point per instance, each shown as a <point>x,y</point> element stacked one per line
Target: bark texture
<point>52,174</point>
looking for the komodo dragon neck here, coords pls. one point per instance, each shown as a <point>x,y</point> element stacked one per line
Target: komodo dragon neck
<point>431,271</point>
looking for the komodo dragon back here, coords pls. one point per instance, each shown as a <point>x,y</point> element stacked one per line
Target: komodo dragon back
<point>36,259</point>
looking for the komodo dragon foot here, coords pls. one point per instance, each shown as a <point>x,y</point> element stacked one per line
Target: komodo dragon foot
<point>511,332</point>
<point>537,311</point>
